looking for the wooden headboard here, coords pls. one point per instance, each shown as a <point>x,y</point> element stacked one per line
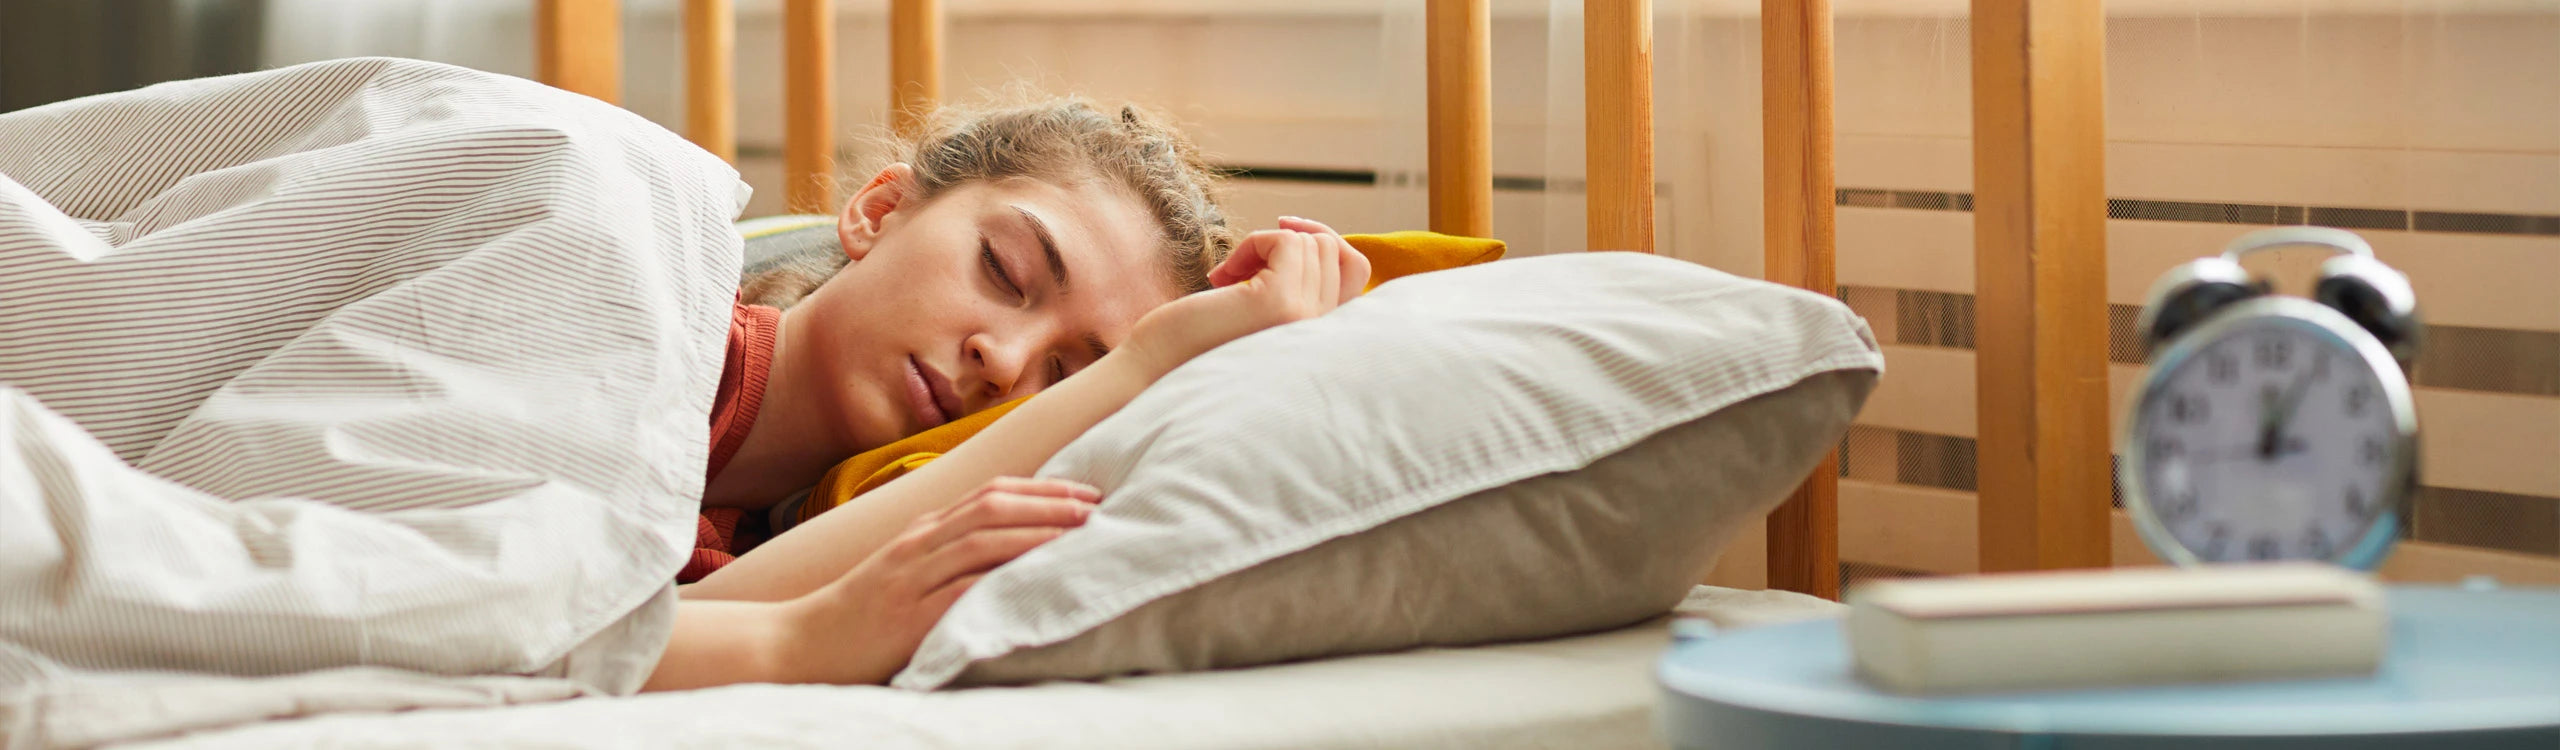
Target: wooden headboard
<point>2040,253</point>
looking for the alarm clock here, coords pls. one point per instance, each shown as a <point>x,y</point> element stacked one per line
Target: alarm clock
<point>2275,427</point>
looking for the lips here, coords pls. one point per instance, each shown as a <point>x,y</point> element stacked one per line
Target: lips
<point>930,395</point>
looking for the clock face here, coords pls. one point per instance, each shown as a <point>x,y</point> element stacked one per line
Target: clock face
<point>2271,437</point>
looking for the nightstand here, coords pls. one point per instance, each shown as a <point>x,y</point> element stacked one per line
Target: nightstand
<point>2463,668</point>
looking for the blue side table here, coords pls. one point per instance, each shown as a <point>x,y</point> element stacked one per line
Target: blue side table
<point>2463,669</point>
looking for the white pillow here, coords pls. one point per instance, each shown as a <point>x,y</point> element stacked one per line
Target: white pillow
<point>1520,449</point>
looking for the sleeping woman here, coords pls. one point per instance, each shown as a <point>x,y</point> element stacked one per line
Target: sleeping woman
<point>1047,245</point>
<point>381,362</point>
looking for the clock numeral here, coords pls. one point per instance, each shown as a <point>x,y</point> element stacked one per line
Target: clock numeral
<point>2273,352</point>
<point>2221,368</point>
<point>2216,542</point>
<point>2358,504</point>
<point>2316,543</point>
<point>2176,505</point>
<point>2164,447</point>
<point>2369,452</point>
<point>2357,397</point>
<point>2187,408</point>
<point>2264,548</point>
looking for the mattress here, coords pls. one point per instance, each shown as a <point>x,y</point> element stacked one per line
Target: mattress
<point>1588,691</point>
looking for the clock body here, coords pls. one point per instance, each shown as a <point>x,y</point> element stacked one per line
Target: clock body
<point>2276,429</point>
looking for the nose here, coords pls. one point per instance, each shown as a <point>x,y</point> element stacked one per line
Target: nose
<point>1001,362</point>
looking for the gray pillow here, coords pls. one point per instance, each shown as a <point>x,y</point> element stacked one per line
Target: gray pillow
<point>1522,449</point>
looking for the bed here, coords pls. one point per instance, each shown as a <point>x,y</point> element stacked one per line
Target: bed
<point>1590,691</point>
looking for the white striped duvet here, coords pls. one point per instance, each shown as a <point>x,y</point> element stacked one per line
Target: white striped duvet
<point>363,362</point>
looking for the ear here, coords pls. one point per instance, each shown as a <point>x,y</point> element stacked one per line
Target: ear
<point>860,224</point>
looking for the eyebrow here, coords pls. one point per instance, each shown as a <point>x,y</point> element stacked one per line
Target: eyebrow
<point>1048,246</point>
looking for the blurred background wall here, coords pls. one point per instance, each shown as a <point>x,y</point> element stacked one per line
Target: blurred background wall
<point>52,50</point>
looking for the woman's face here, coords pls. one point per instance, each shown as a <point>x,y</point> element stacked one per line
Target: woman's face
<point>988,292</point>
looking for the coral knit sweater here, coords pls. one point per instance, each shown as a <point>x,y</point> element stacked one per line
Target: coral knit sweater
<point>752,329</point>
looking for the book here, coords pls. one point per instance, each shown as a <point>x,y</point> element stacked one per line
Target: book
<point>2116,627</point>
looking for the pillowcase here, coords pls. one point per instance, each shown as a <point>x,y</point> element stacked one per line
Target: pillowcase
<point>771,241</point>
<point>1507,451</point>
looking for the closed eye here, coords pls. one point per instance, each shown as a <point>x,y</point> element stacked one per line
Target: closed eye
<point>995,269</point>
<point>1057,370</point>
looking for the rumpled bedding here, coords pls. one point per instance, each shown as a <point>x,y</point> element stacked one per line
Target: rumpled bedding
<point>375,365</point>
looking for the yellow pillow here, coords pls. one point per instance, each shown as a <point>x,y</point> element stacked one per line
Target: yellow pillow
<point>1392,255</point>
<point>1399,254</point>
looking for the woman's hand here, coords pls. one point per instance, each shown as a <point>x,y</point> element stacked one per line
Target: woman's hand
<point>1275,276</point>
<point>862,628</point>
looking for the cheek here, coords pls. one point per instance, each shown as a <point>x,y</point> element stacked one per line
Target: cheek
<point>887,308</point>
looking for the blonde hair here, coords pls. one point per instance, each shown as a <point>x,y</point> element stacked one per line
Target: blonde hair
<point>1061,140</point>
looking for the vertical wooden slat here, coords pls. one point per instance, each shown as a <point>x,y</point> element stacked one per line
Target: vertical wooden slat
<point>2040,282</point>
<point>710,77</point>
<point>1795,113</point>
<point>578,46</point>
<point>1461,112</point>
<point>1617,50</point>
<point>808,106</point>
<point>915,62</point>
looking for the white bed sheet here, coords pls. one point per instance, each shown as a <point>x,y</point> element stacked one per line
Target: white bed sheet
<point>1592,691</point>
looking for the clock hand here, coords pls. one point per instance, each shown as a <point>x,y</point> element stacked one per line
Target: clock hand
<point>2270,422</point>
<point>2284,416</point>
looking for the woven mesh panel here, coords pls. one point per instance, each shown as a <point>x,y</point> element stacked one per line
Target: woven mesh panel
<point>2491,359</point>
<point>1854,573</point>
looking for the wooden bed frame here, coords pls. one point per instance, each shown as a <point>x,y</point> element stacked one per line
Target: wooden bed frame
<point>2039,202</point>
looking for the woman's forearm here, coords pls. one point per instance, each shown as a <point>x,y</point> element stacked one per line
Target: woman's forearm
<point>719,643</point>
<point>798,562</point>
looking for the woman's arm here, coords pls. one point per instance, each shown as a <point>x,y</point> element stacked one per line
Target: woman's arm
<point>862,626</point>
<point>718,643</point>
<point>824,548</point>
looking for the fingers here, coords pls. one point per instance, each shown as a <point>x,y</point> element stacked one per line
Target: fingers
<point>1008,502</point>
<point>979,552</point>
<point>1253,253</point>
<point>1328,249</point>
<point>1352,268</point>
<point>1310,226</point>
<point>1355,271</point>
<point>1289,266</point>
<point>1048,487</point>
<point>1250,256</point>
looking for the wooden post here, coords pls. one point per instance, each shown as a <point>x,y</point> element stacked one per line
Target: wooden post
<point>2040,212</point>
<point>1617,55</point>
<point>808,106</point>
<point>710,77</point>
<point>915,62</point>
<point>1795,115</point>
<point>578,46</point>
<point>1461,99</point>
